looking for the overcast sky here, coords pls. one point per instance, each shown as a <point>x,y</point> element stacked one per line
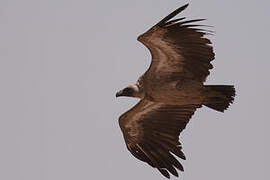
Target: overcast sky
<point>62,61</point>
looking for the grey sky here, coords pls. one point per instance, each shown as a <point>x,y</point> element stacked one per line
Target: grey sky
<point>62,61</point>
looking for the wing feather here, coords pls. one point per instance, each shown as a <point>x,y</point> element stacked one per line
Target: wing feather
<point>170,16</point>
<point>178,46</point>
<point>151,132</point>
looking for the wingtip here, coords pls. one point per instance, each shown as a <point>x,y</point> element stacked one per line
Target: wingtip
<point>186,5</point>
<point>182,8</point>
<point>164,173</point>
<point>171,15</point>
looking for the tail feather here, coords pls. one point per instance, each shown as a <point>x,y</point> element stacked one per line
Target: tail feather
<point>219,97</point>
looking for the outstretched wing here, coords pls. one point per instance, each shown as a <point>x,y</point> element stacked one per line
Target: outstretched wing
<point>178,48</point>
<point>151,133</point>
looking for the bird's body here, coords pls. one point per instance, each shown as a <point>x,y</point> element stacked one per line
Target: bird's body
<point>170,91</point>
<point>173,91</point>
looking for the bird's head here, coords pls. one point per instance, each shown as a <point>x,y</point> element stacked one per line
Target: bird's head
<point>131,91</point>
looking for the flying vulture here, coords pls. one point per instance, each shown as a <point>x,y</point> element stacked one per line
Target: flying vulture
<point>170,91</point>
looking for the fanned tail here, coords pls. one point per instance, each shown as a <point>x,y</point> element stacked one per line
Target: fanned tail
<point>219,97</point>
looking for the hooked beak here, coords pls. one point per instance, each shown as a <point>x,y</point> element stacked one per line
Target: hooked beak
<point>119,93</point>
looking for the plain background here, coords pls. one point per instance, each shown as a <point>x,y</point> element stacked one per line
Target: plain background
<point>62,61</point>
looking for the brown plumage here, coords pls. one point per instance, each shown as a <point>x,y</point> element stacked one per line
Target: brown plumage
<point>170,91</point>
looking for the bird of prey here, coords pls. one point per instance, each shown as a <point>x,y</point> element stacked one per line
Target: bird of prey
<point>170,91</point>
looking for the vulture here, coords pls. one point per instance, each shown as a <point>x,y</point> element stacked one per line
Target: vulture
<point>170,91</point>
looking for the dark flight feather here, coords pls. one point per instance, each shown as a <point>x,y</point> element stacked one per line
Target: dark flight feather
<point>189,50</point>
<point>174,21</point>
<point>151,133</point>
<point>170,16</point>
